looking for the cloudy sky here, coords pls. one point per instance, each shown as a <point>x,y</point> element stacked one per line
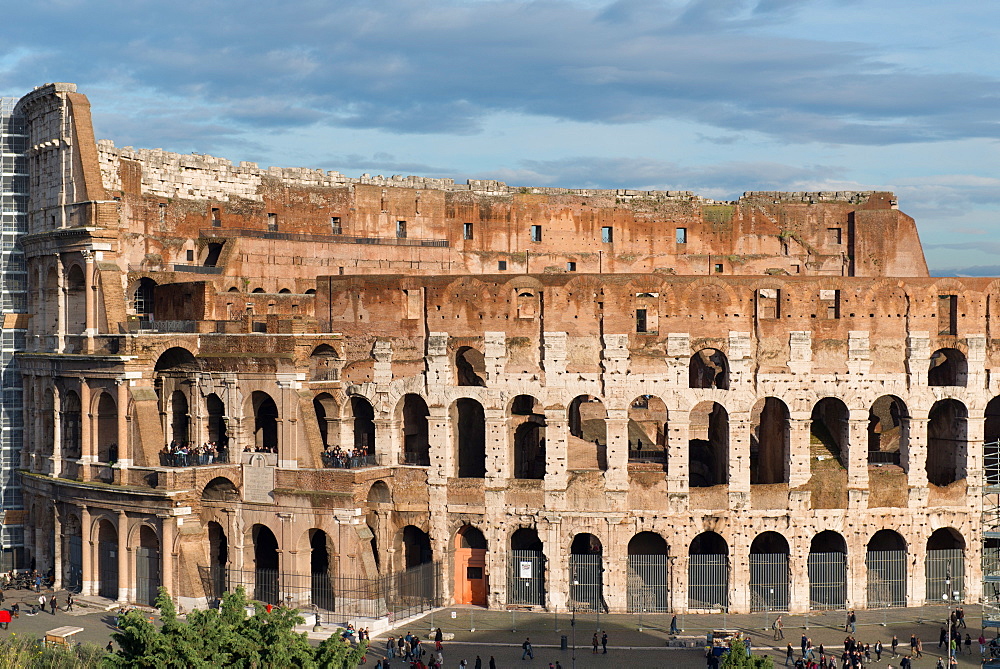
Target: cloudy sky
<point>714,96</point>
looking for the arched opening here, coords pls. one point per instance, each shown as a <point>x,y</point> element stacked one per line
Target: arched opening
<point>284,291</point>
<point>326,419</point>
<point>76,301</point>
<point>769,442</point>
<point>418,583</point>
<point>107,429</point>
<point>48,411</point>
<point>323,363</point>
<point>885,559</point>
<point>416,448</point>
<point>321,585</point>
<point>708,572</point>
<point>888,430</point>
<point>827,572</point>
<point>258,290</point>
<point>142,299</point>
<point>416,547</point>
<point>709,369</point>
<point>829,432</point>
<point>944,566</point>
<point>212,252</point>
<point>647,430</point>
<point>526,569</point>
<point>73,547</point>
<point>220,489</point>
<point>107,560</point>
<point>991,442</point>
<point>471,584</point>
<point>71,425</point>
<point>769,573</point>
<point>947,442</point>
<point>218,433</point>
<point>470,367</point>
<point>51,295</point>
<point>147,566</point>
<point>470,418</point>
<point>528,425</point>
<point>265,559</point>
<point>708,445</point>
<point>379,493</point>
<point>948,367</point>
<point>179,421</point>
<point>218,558</point>
<point>265,422</point>
<point>586,573</point>
<point>588,440</point>
<point>364,424</point>
<point>648,578</point>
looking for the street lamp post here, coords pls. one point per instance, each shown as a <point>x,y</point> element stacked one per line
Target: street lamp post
<point>947,590</point>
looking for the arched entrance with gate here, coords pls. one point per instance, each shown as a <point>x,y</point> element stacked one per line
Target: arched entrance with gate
<point>147,566</point>
<point>886,563</point>
<point>827,572</point>
<point>526,569</point>
<point>708,572</point>
<point>321,585</point>
<point>648,583</point>
<point>265,557</point>
<point>944,566</point>
<point>107,560</point>
<point>471,585</point>
<point>769,573</point>
<point>586,573</point>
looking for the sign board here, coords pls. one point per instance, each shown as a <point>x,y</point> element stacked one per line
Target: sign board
<point>524,568</point>
<point>258,481</point>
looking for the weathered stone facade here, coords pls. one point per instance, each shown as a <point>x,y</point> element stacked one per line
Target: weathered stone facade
<point>618,399</point>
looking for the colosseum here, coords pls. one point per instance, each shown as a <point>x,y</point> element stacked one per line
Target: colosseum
<point>377,395</point>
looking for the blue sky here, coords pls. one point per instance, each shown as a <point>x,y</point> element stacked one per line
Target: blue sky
<point>714,96</point>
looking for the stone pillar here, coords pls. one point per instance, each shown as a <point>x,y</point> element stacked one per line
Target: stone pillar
<point>167,553</point>
<point>556,449</point>
<point>444,464</point>
<point>288,424</point>
<point>499,459</point>
<point>615,559</point>
<point>739,575</point>
<point>799,451</point>
<point>556,566</point>
<point>739,460</point>
<point>58,337</point>
<point>57,556</point>
<point>388,447</point>
<point>124,450</point>
<point>914,458</point>
<point>916,574</point>
<point>857,450</point>
<point>57,438</point>
<point>86,429</point>
<point>616,426</point>
<point>678,452</point>
<point>974,427</point>
<point>125,586</point>
<point>86,552</point>
<point>90,295</point>
<point>798,575</point>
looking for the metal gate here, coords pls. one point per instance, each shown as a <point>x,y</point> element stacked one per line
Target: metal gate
<point>147,575</point>
<point>321,590</point>
<point>708,582</point>
<point>107,561</point>
<point>886,579</point>
<point>526,578</point>
<point>73,576</point>
<point>266,586</point>
<point>768,582</point>
<point>827,581</point>
<point>940,566</point>
<point>648,583</point>
<point>586,581</point>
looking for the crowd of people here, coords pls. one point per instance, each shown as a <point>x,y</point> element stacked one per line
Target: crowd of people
<point>182,454</point>
<point>337,458</point>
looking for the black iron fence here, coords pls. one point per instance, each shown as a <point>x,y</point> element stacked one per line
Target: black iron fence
<point>335,239</point>
<point>394,596</point>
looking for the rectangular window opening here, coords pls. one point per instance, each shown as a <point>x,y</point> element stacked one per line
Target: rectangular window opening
<point>640,320</point>
<point>833,236</point>
<point>947,314</point>
<point>502,265</point>
<point>830,300</point>
<point>607,234</point>
<point>272,222</point>
<point>536,233</point>
<point>718,268</point>
<point>216,218</point>
<point>401,229</point>
<point>571,266</point>
<point>467,231</point>
<point>681,235</point>
<point>768,303</point>
<point>335,228</point>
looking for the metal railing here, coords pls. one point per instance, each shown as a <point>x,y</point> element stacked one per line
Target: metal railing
<point>344,461</point>
<point>883,458</point>
<point>220,457</point>
<point>198,269</point>
<point>329,239</point>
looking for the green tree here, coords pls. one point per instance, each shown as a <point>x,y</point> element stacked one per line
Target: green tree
<point>227,637</point>
<point>737,658</point>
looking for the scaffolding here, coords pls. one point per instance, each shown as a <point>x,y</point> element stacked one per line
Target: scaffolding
<point>991,541</point>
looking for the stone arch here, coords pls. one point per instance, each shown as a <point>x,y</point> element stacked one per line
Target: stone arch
<point>412,414</point>
<point>107,559</point>
<point>947,442</point>
<point>180,420</point>
<point>709,368</point>
<point>71,423</point>
<point>48,411</point>
<point>588,434</point>
<point>526,568</point>
<point>218,431</point>
<point>106,411</point>
<point>321,566</point>
<point>527,426</point>
<point>888,430</point>
<point>147,565</point>
<point>323,363</point>
<point>72,564</point>
<point>886,562</point>
<point>586,572</point>
<point>220,489</point>
<point>143,295</point>
<point>379,493</point>
<point>265,422</point>
<point>469,419</point>
<point>711,296</point>
<point>827,568</point>
<point>708,445</point>
<point>470,367</point>
<point>830,431</point>
<point>416,545</point>
<point>708,572</point>
<point>176,358</point>
<point>266,564</point>
<point>471,580</point>
<point>769,441</point>
<point>218,557</point>
<point>944,566</point>
<point>76,300</point>
<point>648,577</point>
<point>769,582</point>
<point>647,430</point>
<point>327,412</point>
<point>363,423</point>
<point>51,297</point>
<point>948,367</point>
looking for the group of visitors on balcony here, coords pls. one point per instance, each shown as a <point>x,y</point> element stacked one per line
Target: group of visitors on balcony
<point>337,458</point>
<point>182,454</point>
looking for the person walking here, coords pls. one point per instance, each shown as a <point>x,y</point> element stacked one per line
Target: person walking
<point>895,644</point>
<point>878,650</point>
<point>776,626</point>
<point>852,620</point>
<point>41,603</point>
<point>789,655</point>
<point>526,647</point>
<point>479,663</point>
<point>69,602</point>
<point>493,663</point>
<point>804,640</point>
<point>942,636</point>
<point>920,648</point>
<point>54,604</point>
<point>594,643</point>
<point>968,644</point>
<point>673,620</point>
<point>913,645</point>
<point>604,642</point>
<point>438,637</point>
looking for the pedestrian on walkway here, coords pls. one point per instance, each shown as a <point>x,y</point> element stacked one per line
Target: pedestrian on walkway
<point>69,602</point>
<point>54,604</point>
<point>878,650</point>
<point>673,620</point>
<point>961,617</point>
<point>895,644</point>
<point>438,637</point>
<point>920,648</point>
<point>604,642</point>
<point>968,644</point>
<point>789,655</point>
<point>594,643</point>
<point>776,626</point>
<point>479,663</point>
<point>852,620</point>
<point>526,647</point>
<point>493,663</point>
<point>41,602</point>
<point>804,640</point>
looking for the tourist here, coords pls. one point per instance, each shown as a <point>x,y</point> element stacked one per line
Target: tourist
<point>776,626</point>
<point>604,641</point>
<point>594,642</point>
<point>526,647</point>
<point>673,623</point>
